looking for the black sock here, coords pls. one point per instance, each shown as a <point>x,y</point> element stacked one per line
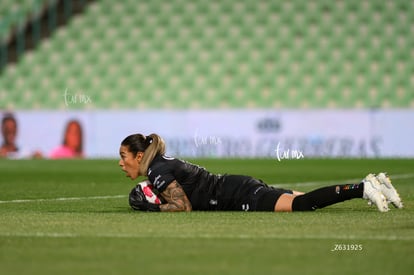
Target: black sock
<point>325,196</point>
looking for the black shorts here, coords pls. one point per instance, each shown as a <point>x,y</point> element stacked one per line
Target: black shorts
<point>245,193</point>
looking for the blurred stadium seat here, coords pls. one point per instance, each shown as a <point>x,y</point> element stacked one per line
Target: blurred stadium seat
<point>13,14</point>
<point>221,54</point>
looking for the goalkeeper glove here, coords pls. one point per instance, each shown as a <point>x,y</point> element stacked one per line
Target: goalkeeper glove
<point>138,201</point>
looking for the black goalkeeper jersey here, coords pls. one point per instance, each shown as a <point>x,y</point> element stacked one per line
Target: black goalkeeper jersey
<point>207,191</point>
<point>199,185</point>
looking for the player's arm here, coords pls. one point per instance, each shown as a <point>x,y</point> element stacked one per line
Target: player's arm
<point>176,199</point>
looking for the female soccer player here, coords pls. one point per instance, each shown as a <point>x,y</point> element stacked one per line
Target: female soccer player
<point>184,186</point>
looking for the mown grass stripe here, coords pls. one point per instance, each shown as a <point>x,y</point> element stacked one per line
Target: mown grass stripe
<point>208,236</point>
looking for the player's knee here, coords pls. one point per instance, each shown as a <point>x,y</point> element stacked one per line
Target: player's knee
<point>284,203</point>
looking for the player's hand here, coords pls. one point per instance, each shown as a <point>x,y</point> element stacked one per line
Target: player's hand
<point>138,201</point>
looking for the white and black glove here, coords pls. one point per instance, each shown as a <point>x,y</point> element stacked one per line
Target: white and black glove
<point>138,201</point>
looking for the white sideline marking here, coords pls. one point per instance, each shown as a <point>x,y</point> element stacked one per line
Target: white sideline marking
<point>310,183</point>
<point>67,199</point>
<point>207,236</point>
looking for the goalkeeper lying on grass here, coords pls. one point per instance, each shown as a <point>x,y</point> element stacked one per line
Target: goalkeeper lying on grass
<point>183,186</point>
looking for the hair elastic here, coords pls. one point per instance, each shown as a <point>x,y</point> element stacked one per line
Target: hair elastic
<point>149,140</point>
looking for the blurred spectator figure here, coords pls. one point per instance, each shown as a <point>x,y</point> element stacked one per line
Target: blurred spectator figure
<point>72,146</point>
<point>9,148</point>
<point>9,133</point>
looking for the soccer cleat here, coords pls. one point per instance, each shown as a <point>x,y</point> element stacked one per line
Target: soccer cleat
<point>389,191</point>
<point>372,192</point>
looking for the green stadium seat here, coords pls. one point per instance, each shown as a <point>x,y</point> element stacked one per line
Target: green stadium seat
<point>231,54</point>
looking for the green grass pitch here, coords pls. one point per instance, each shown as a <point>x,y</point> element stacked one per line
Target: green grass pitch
<point>72,217</point>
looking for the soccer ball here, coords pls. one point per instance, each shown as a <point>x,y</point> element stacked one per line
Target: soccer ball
<point>151,197</point>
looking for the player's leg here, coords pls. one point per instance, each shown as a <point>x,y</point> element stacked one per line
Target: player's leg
<point>326,196</point>
<point>369,189</point>
<point>285,202</point>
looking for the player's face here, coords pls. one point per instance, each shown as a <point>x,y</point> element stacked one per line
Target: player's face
<point>129,163</point>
